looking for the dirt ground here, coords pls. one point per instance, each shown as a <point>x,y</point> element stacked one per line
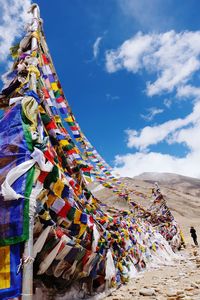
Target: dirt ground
<point>179,280</point>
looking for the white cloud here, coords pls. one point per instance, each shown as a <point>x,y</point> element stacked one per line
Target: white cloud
<point>135,164</point>
<point>152,135</point>
<point>152,112</point>
<point>173,57</point>
<point>110,97</point>
<point>189,137</point>
<point>182,131</point>
<point>14,17</point>
<point>167,102</point>
<point>96,47</point>
<point>188,91</point>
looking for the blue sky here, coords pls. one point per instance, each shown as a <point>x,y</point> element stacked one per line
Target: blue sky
<point>130,70</point>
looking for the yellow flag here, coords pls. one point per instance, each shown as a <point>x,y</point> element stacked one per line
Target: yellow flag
<point>69,119</point>
<point>54,86</point>
<point>57,119</point>
<point>77,216</point>
<point>58,188</point>
<point>51,199</point>
<point>82,229</point>
<point>5,267</point>
<point>64,143</point>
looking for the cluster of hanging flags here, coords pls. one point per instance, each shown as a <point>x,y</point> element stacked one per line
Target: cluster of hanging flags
<point>74,237</point>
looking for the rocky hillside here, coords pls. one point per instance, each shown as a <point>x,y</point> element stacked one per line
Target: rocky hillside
<point>180,183</point>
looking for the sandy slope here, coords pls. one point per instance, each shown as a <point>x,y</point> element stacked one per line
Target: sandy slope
<point>182,195</point>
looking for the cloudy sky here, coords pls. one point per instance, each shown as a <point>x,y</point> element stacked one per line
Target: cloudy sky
<point>130,70</point>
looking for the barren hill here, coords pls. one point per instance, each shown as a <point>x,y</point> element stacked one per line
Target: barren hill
<point>173,181</point>
<point>183,197</point>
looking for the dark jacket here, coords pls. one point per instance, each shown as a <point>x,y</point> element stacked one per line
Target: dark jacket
<point>193,232</point>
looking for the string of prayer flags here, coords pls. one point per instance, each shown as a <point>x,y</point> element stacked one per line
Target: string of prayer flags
<point>76,238</point>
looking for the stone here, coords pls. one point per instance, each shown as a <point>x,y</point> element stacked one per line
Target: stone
<point>198,266</point>
<point>179,297</point>
<point>197,258</point>
<point>195,253</point>
<point>147,292</point>
<point>129,290</point>
<point>189,293</point>
<point>189,288</point>
<point>181,274</point>
<point>132,293</point>
<point>171,293</point>
<point>196,292</point>
<point>192,258</point>
<point>194,285</point>
<point>197,281</point>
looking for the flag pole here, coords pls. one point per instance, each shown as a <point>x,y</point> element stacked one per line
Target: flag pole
<point>27,282</point>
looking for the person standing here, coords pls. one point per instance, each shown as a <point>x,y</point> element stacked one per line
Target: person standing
<point>194,235</point>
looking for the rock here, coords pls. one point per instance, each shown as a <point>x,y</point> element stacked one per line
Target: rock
<point>147,292</point>
<point>189,294</point>
<point>181,274</point>
<point>171,293</point>
<point>170,280</point>
<point>131,290</point>
<point>132,293</point>
<point>179,297</point>
<point>196,292</point>
<point>192,258</point>
<point>181,294</point>
<point>194,285</point>
<point>189,288</point>
<point>195,252</point>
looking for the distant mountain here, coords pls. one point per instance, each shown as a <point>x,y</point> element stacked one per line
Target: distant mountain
<point>168,177</point>
<point>173,181</point>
